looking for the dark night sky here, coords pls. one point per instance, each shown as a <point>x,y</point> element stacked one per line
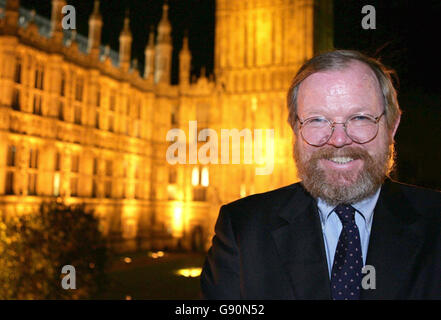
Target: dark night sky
<point>195,16</point>
<point>405,39</point>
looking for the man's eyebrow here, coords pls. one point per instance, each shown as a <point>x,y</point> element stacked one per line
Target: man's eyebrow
<point>314,111</point>
<point>364,110</point>
<point>324,112</point>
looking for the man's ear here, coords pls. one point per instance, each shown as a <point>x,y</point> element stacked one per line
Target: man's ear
<point>394,130</point>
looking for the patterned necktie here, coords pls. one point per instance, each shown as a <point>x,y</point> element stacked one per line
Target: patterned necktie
<point>346,271</point>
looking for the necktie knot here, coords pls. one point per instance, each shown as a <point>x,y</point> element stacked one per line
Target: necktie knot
<point>345,212</point>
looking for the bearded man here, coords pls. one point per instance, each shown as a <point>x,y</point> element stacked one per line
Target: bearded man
<point>346,231</point>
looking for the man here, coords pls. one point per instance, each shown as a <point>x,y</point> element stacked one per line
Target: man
<point>311,240</point>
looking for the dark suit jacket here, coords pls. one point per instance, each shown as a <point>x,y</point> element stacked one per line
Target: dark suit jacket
<point>270,246</point>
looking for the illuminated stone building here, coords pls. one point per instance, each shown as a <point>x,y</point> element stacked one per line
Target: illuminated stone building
<point>79,123</point>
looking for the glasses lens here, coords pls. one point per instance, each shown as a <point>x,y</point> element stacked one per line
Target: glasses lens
<point>316,131</point>
<point>362,128</point>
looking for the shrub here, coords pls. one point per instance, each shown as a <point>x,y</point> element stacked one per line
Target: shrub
<point>35,247</point>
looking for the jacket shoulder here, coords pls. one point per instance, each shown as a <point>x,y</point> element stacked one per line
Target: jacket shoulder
<point>259,199</point>
<point>417,191</point>
<point>260,205</point>
<point>425,200</point>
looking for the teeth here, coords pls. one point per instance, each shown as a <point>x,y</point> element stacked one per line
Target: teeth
<point>341,160</point>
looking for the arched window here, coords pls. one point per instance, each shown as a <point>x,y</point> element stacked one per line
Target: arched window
<point>63,84</point>
<point>10,169</point>
<point>17,73</point>
<point>79,87</point>
<point>39,77</point>
<point>98,95</point>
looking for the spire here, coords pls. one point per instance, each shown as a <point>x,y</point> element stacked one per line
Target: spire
<point>32,28</point>
<point>164,48</point>
<point>203,72</point>
<point>126,29</point>
<point>95,27</point>
<point>106,53</point>
<point>150,55</point>
<point>32,15</point>
<point>72,42</point>
<point>11,15</point>
<point>164,27</point>
<point>165,11</point>
<point>73,37</point>
<point>56,18</point>
<point>151,43</point>
<point>185,41</point>
<point>125,44</point>
<point>184,62</point>
<point>96,15</point>
<point>135,66</point>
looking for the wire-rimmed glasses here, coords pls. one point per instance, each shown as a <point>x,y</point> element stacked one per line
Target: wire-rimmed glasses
<point>361,128</point>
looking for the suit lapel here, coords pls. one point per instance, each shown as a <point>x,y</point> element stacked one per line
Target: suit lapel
<point>396,238</point>
<point>298,236</point>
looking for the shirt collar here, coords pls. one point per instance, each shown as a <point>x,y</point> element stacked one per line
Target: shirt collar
<point>364,207</point>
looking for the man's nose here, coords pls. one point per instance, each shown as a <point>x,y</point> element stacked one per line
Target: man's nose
<point>339,138</point>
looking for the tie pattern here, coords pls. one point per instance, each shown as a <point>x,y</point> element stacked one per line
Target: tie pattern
<point>348,261</point>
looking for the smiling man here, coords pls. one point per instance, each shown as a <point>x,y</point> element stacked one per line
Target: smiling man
<point>343,154</point>
<point>312,239</point>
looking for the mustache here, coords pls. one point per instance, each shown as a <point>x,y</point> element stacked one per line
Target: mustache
<point>349,152</point>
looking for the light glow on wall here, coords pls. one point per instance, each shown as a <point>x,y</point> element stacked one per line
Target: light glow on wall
<point>243,190</point>
<point>178,221</point>
<point>195,176</point>
<point>204,177</point>
<point>56,184</point>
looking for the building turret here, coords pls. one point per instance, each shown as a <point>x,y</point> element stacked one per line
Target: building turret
<point>72,42</point>
<point>150,55</point>
<point>184,63</point>
<point>32,27</point>
<point>125,44</point>
<point>135,66</point>
<point>164,48</point>
<point>11,15</point>
<point>56,20</point>
<point>95,27</point>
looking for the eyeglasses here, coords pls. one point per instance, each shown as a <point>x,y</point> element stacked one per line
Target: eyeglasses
<point>361,128</point>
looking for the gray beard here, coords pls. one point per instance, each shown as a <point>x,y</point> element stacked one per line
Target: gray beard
<point>320,183</point>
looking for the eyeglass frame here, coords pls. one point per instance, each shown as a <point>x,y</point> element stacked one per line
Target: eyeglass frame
<point>333,123</point>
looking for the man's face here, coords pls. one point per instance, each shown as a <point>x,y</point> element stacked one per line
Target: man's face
<point>342,171</point>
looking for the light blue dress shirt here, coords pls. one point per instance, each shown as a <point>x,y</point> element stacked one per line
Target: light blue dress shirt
<point>332,226</point>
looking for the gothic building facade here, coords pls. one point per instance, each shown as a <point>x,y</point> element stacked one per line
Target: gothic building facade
<point>79,122</point>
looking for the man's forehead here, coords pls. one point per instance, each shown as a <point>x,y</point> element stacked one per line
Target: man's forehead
<point>352,89</point>
<point>355,73</point>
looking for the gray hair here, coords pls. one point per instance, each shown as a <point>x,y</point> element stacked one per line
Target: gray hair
<point>339,60</point>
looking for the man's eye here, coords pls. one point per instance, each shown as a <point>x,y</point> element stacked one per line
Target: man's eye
<point>318,120</point>
<point>361,118</point>
<point>316,123</point>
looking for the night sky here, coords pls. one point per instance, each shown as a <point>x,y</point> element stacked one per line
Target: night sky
<point>406,38</point>
<point>194,16</point>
